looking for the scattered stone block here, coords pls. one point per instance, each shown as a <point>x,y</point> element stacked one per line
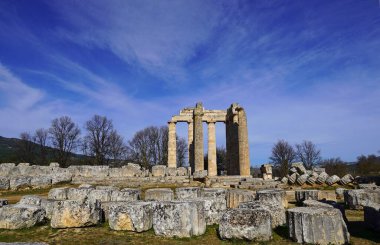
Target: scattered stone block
<point>20,182</point>
<point>277,212</point>
<point>62,176</point>
<point>346,179</point>
<point>19,216</point>
<point>159,171</point>
<point>317,225</point>
<point>86,186</point>
<point>182,171</point>
<point>284,180</point>
<point>200,174</point>
<point>171,171</point>
<point>213,208</point>
<point>126,194</point>
<point>332,180</point>
<point>372,216</point>
<point>327,195</point>
<point>58,193</point>
<point>322,178</point>
<point>237,196</point>
<point>318,171</point>
<point>4,183</point>
<point>131,216</point>
<point>302,179</point>
<point>339,192</point>
<point>30,200</point>
<point>311,180</point>
<point>371,186</point>
<point>214,193</point>
<point>179,218</point>
<point>78,193</point>
<point>276,196</point>
<point>302,195</point>
<point>248,224</point>
<point>101,195</point>
<point>185,193</point>
<point>356,199</point>
<point>54,165</point>
<point>300,167</point>
<point>292,178</point>
<point>75,213</point>
<point>159,194</point>
<point>40,182</point>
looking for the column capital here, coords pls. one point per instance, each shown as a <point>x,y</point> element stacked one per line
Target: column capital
<point>171,121</point>
<point>211,121</point>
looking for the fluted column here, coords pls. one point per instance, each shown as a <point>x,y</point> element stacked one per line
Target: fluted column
<point>198,138</point>
<point>190,144</point>
<point>244,164</point>
<point>212,166</point>
<point>172,146</point>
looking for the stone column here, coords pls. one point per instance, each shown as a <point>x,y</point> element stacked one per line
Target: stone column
<point>244,164</point>
<point>198,138</point>
<point>172,146</point>
<point>212,166</point>
<point>190,144</point>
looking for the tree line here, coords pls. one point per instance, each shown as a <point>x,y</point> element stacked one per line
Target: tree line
<point>283,154</point>
<point>100,144</point>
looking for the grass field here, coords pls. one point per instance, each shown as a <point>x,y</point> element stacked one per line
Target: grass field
<point>103,235</point>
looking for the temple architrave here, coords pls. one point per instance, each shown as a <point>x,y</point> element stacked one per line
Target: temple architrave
<point>236,139</point>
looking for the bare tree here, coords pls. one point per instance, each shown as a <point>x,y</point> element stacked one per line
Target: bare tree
<point>40,137</point>
<point>26,147</point>
<point>64,134</point>
<point>102,141</point>
<point>149,147</point>
<point>308,153</point>
<point>335,166</point>
<point>282,155</point>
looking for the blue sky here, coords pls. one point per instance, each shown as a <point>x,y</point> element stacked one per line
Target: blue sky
<point>301,69</point>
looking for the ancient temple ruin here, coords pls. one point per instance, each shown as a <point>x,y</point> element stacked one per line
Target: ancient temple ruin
<point>236,139</point>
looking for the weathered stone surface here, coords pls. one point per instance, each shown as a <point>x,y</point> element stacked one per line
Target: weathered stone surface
<point>30,200</point>
<point>6,168</point>
<point>159,170</point>
<point>371,186</point>
<point>327,195</point>
<point>372,216</point>
<point>311,180</point>
<point>4,183</point>
<point>179,218</point>
<point>61,176</point>
<point>159,194</point>
<point>54,165</point>
<point>302,179</point>
<point>200,174</point>
<point>332,180</point>
<point>346,179</point>
<point>277,212</point>
<point>340,192</point>
<point>302,195</point>
<point>20,182</point>
<point>75,213</point>
<point>319,170</point>
<point>322,178</point>
<point>126,194</point>
<point>248,224</point>
<point>237,196</point>
<point>131,216</point>
<point>78,193</point>
<point>214,193</point>
<point>213,208</point>
<point>356,199</point>
<point>299,166</point>
<point>315,203</point>
<point>86,186</point>
<point>292,178</point>
<point>317,225</point>
<point>101,195</point>
<point>3,202</point>
<point>171,171</point>
<point>292,170</point>
<point>182,171</point>
<point>20,216</point>
<point>40,181</point>
<point>284,180</point>
<point>58,193</point>
<point>48,206</point>
<point>185,193</point>
<point>276,196</point>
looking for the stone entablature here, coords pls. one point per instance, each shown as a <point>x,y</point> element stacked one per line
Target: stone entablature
<point>236,139</point>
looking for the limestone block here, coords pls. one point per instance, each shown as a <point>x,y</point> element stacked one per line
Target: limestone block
<point>372,216</point>
<point>248,224</point>
<point>302,179</point>
<point>130,170</point>
<point>185,193</point>
<point>20,182</point>
<point>292,178</point>
<point>292,170</point>
<point>159,194</point>
<point>171,171</point>
<point>311,180</point>
<point>54,165</point>
<point>371,186</point>
<point>277,196</point>
<point>40,181</point>
<point>214,193</point>
<point>30,200</point>
<point>75,213</point>
<point>302,195</point>
<point>332,180</point>
<point>3,202</point>
<point>346,179</point>
<point>213,208</point>
<point>200,174</point>
<point>131,216</point>
<point>317,225</point>
<point>58,193</point>
<point>237,196</point>
<point>101,195</point>
<point>159,170</point>
<point>6,169</point>
<point>78,193</point>
<point>299,166</point>
<point>107,187</point>
<point>339,192</point>
<point>61,175</point>
<point>315,203</point>
<point>319,170</point>
<point>356,199</point>
<point>48,206</point>
<point>4,183</point>
<point>86,186</point>
<point>327,195</point>
<point>179,218</point>
<point>322,178</point>
<point>277,212</point>
<point>126,194</point>
<point>290,195</point>
<point>19,216</point>
<point>182,171</point>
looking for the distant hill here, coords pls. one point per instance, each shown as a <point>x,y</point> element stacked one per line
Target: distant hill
<point>9,152</point>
